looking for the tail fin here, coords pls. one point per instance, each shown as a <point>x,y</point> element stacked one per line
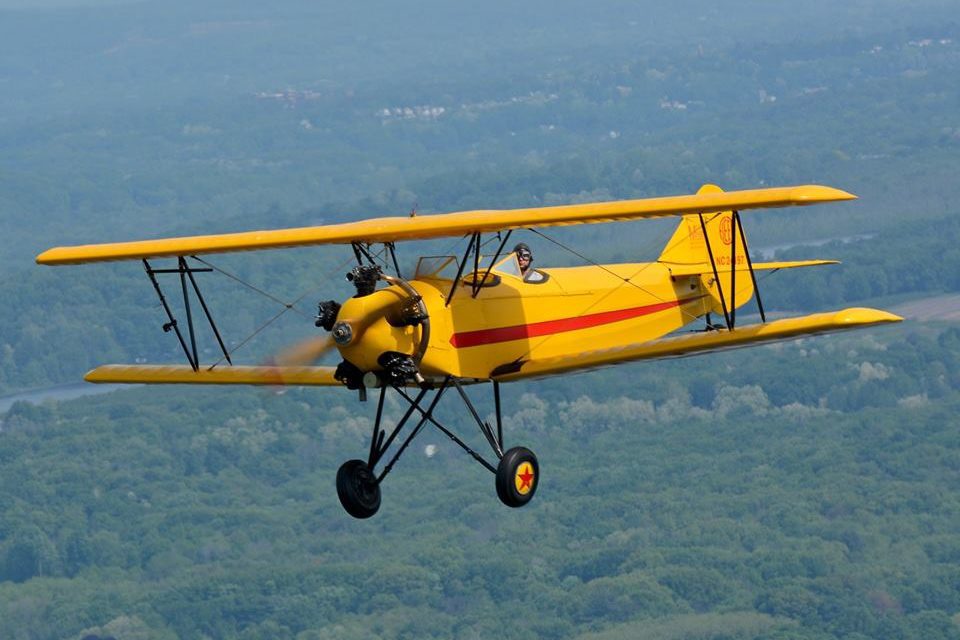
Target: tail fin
<point>687,251</point>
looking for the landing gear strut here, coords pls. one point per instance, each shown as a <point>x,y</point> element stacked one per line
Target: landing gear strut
<point>358,484</point>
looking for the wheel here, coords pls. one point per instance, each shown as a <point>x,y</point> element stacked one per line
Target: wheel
<point>518,475</point>
<point>357,489</point>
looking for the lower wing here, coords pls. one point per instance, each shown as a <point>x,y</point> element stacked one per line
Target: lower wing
<point>674,347</point>
<point>700,342</point>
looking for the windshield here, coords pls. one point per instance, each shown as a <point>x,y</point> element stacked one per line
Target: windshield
<point>445,267</point>
<point>437,267</point>
<point>509,265</point>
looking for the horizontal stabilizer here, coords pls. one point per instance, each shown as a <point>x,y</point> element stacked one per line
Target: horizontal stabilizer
<point>183,374</point>
<point>705,267</point>
<point>700,342</point>
<point>457,224</point>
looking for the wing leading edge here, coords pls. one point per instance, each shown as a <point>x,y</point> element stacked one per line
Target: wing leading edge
<point>701,342</point>
<point>449,224</point>
<point>183,374</point>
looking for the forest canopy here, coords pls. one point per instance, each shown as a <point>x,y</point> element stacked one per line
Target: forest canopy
<point>799,491</point>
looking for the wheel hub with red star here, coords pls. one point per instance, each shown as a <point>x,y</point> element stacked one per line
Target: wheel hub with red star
<point>517,477</point>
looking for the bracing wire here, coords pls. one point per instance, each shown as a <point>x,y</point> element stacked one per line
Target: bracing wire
<point>269,296</point>
<point>250,337</point>
<point>597,264</point>
<point>626,280</point>
<point>287,306</point>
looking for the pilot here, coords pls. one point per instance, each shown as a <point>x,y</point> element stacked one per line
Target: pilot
<point>525,259</point>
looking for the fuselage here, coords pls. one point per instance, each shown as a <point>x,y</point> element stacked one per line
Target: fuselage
<point>571,311</point>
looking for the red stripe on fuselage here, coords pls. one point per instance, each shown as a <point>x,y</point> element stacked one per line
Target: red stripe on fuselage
<point>550,327</point>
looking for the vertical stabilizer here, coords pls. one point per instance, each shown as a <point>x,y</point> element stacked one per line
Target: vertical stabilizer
<point>689,248</point>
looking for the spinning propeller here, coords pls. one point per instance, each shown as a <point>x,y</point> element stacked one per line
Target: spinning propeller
<point>367,331</point>
<point>304,353</point>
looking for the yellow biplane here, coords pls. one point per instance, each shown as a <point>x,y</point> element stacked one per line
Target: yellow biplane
<point>485,319</point>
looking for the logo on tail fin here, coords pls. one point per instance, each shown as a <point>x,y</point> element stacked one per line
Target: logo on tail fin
<point>694,232</point>
<point>726,230</point>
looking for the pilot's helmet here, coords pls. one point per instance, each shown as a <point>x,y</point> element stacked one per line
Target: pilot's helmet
<point>523,251</point>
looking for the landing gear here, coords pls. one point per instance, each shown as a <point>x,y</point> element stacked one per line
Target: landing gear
<point>358,489</point>
<point>517,477</point>
<point>358,484</point>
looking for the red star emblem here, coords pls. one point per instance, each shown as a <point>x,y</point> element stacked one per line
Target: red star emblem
<point>526,479</point>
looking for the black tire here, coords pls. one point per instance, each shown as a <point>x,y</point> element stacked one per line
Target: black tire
<point>357,489</point>
<point>518,476</point>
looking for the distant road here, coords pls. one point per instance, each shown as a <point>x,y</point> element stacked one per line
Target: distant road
<point>767,253</point>
<point>936,308</point>
<point>60,392</point>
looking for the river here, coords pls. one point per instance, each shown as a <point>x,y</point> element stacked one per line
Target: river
<point>59,392</point>
<point>767,253</point>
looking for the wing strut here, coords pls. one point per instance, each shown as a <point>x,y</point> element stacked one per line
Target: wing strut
<point>716,274</point>
<point>730,315</point>
<point>474,241</point>
<point>392,250</point>
<point>486,274</point>
<point>186,272</point>
<point>753,275</point>
<point>476,283</point>
<point>362,252</point>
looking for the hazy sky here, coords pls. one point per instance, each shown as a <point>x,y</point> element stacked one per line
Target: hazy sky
<point>50,4</point>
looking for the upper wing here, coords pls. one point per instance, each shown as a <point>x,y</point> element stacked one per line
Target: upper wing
<point>448,224</point>
<point>183,374</point>
<point>700,342</point>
